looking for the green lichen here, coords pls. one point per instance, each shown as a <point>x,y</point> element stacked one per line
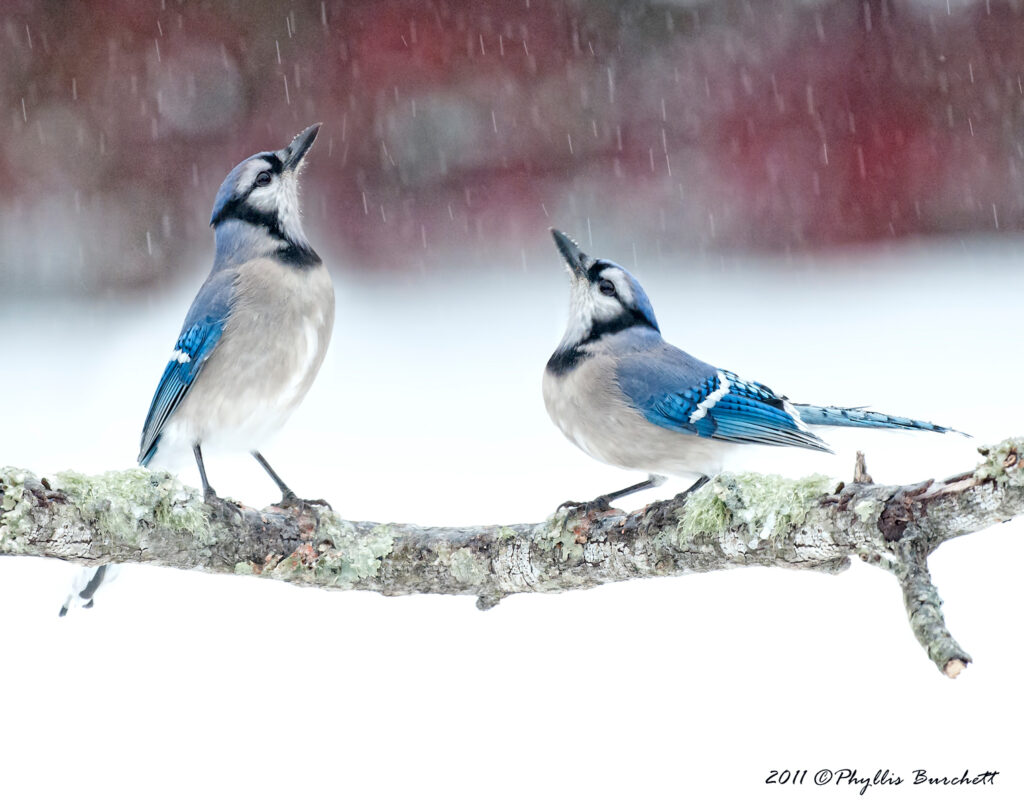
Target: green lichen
<point>704,513</point>
<point>466,568</point>
<point>353,555</point>
<point>443,550</point>
<point>765,506</point>
<point>558,533</point>
<point>869,510</point>
<point>118,501</point>
<point>1002,463</point>
<point>15,510</point>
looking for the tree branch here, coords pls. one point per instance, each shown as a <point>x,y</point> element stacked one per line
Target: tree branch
<point>736,520</point>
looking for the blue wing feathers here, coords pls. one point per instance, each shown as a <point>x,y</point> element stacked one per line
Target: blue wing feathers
<point>669,387</point>
<point>195,344</point>
<point>201,332</point>
<point>747,413</point>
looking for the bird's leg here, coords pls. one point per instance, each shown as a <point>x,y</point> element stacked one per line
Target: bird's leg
<point>208,493</point>
<point>604,502</point>
<point>286,492</point>
<point>288,498</point>
<point>693,488</point>
<point>211,498</point>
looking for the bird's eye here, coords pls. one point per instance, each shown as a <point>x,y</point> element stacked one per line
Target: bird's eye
<point>263,178</point>
<point>607,287</point>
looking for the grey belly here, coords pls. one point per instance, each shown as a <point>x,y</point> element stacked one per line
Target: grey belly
<point>266,360</point>
<point>597,420</point>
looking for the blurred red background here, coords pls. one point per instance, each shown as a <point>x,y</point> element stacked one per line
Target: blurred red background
<point>464,130</point>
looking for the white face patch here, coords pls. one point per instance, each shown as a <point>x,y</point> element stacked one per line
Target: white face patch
<point>280,196</point>
<point>594,305</point>
<point>623,287</point>
<point>247,176</point>
<point>712,399</point>
<point>588,305</point>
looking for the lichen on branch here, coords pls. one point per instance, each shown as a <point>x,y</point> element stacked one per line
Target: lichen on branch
<point>736,520</point>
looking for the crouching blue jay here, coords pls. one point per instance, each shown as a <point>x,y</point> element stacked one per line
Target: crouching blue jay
<point>625,396</point>
<point>255,336</point>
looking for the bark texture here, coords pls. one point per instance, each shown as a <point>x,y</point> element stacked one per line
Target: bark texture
<point>735,520</point>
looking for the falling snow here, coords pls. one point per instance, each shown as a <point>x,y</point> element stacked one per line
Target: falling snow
<point>825,193</point>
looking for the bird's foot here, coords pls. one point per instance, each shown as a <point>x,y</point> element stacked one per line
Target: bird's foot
<point>222,507</point>
<point>598,504</point>
<point>303,509</point>
<point>292,501</point>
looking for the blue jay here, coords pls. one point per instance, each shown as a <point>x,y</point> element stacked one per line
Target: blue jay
<point>625,396</point>
<point>256,334</point>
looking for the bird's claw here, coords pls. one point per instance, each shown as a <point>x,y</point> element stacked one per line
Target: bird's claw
<point>295,502</point>
<point>303,507</point>
<point>225,508</point>
<point>600,504</point>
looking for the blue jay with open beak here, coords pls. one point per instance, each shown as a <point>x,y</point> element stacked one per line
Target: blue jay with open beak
<point>255,336</point>
<point>625,396</point>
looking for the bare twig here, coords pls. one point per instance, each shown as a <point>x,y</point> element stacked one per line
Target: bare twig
<point>860,470</point>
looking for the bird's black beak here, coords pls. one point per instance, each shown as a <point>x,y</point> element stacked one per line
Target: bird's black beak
<point>292,155</point>
<point>574,258</point>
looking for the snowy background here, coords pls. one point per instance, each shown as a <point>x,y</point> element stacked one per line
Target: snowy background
<point>886,273</point>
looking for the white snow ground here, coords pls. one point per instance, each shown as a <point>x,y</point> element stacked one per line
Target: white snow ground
<point>189,686</point>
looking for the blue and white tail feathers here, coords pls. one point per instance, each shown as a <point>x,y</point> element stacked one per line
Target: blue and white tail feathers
<point>826,415</point>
